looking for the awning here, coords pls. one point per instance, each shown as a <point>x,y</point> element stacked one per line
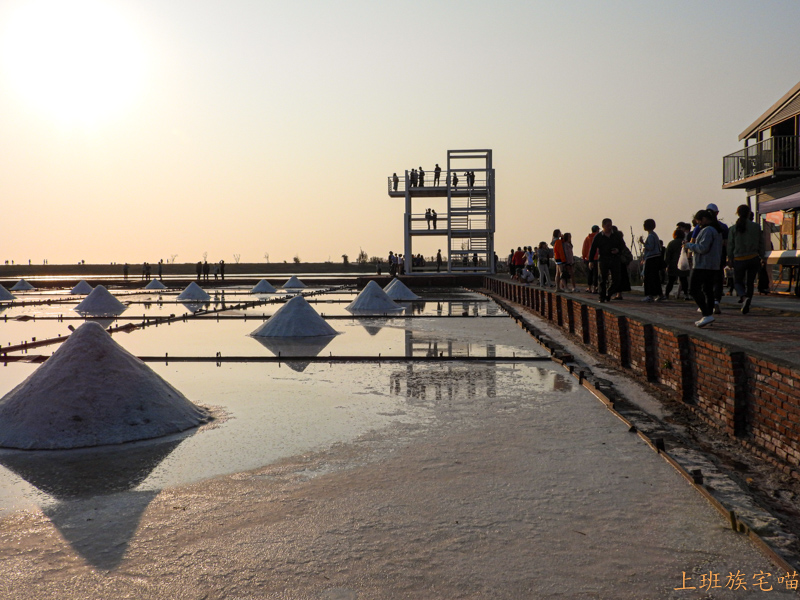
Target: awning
<point>785,203</point>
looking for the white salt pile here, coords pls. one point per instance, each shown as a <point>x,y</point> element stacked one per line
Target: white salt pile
<point>82,288</point>
<point>155,284</point>
<point>194,292</point>
<point>294,283</point>
<point>296,318</point>
<point>22,286</point>
<point>263,287</point>
<point>100,302</point>
<point>373,299</point>
<point>92,392</point>
<point>397,290</point>
<point>5,295</point>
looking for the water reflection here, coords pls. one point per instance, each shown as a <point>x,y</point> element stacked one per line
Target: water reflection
<point>295,346</point>
<point>193,307</point>
<point>70,476</point>
<point>105,322</point>
<point>432,343</point>
<point>447,381</point>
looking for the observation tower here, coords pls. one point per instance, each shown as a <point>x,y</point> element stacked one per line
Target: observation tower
<point>468,223</point>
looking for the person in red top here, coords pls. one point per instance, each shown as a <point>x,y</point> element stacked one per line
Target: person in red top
<point>591,261</point>
<point>518,260</point>
<point>559,257</point>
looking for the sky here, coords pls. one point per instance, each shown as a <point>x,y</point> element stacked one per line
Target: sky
<point>159,129</point>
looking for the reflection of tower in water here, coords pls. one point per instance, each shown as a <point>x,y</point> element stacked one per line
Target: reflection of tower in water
<point>445,381</point>
<point>421,343</point>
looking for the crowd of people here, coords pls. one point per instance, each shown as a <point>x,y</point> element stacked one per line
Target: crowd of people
<point>702,257</point>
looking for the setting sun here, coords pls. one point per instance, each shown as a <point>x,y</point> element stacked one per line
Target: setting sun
<point>79,62</point>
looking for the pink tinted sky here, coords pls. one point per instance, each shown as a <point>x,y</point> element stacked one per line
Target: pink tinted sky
<point>270,127</point>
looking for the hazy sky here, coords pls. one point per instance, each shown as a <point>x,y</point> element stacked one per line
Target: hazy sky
<point>135,130</point>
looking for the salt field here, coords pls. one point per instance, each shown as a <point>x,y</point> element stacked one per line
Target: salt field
<point>449,457</point>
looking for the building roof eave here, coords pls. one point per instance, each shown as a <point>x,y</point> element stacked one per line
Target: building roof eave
<point>771,111</point>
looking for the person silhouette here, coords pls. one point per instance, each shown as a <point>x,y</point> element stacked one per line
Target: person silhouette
<point>436,174</point>
<point>428,217</point>
<point>455,181</point>
<point>421,177</point>
<point>395,181</point>
<point>433,218</point>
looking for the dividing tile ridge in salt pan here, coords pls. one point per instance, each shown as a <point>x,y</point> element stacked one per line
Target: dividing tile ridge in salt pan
<point>397,290</point>
<point>100,302</point>
<point>193,292</point>
<point>83,287</point>
<point>372,298</point>
<point>263,287</point>
<point>5,295</point>
<point>294,283</point>
<point>93,392</point>
<point>296,318</point>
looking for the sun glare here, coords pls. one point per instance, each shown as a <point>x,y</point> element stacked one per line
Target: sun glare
<point>78,61</point>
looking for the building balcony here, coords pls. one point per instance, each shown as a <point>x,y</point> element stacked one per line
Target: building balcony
<point>766,162</point>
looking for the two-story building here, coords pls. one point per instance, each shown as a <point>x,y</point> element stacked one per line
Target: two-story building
<point>768,168</point>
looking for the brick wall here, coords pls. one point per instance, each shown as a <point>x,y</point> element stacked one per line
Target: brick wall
<point>753,398</point>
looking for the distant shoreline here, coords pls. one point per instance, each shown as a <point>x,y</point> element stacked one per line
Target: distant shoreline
<point>177,269</point>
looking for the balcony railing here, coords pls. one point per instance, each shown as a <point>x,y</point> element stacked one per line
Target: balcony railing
<point>768,157</point>
<point>444,181</point>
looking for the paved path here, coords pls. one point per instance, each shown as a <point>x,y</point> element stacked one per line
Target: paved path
<point>772,327</point>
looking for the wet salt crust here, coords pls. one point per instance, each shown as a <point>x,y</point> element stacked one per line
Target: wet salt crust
<point>516,483</point>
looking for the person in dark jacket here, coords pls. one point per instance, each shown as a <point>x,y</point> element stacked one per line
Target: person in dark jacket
<point>671,256</point>
<point>607,246</point>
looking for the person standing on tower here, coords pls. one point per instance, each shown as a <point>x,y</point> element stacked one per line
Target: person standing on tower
<point>436,174</point>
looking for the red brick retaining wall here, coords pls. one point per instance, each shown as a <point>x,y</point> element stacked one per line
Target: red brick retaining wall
<point>751,397</point>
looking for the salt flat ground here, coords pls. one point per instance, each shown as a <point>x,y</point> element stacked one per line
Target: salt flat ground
<point>368,480</point>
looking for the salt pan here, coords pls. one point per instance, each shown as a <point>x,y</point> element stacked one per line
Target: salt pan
<point>92,392</point>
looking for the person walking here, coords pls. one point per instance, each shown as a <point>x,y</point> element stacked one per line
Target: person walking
<point>672,256</point>
<point>652,262</point>
<point>719,281</point>
<point>607,246</point>
<point>745,254</point>
<point>437,173</point>
<point>568,268</point>
<point>591,261</point>
<point>543,253</point>
<point>707,250</point>
<point>558,257</point>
